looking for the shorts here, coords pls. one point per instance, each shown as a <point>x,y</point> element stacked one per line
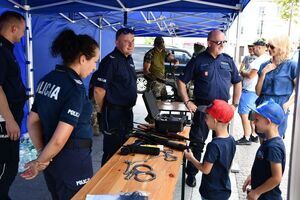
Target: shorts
<point>247,99</point>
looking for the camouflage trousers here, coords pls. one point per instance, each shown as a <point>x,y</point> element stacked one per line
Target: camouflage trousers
<point>96,119</point>
<point>159,89</point>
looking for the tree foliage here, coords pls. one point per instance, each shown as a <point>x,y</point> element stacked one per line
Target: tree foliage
<point>289,9</point>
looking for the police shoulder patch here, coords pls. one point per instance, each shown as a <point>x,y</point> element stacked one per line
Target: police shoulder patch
<point>78,81</point>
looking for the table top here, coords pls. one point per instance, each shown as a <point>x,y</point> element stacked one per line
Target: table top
<point>110,178</point>
<point>171,106</point>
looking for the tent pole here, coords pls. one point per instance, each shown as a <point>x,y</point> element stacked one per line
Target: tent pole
<point>294,175</point>
<point>29,57</point>
<point>100,36</point>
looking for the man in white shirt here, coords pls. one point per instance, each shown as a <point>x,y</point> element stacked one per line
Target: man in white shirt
<point>250,77</point>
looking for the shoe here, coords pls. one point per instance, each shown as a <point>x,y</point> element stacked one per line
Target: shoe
<point>190,181</point>
<point>253,138</point>
<point>243,141</point>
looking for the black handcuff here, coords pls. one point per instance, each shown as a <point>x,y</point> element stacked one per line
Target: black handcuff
<point>137,170</point>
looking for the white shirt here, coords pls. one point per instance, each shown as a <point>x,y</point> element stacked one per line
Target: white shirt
<point>249,84</point>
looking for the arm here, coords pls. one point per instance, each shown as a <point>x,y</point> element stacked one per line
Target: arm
<point>270,183</point>
<point>146,67</point>
<point>205,167</point>
<point>237,91</point>
<point>251,74</point>
<point>12,128</point>
<point>184,96</point>
<point>56,143</point>
<point>291,100</point>
<point>35,130</point>
<point>172,59</point>
<point>262,76</point>
<point>99,94</point>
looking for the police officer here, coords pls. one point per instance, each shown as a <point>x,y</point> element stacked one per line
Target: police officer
<point>59,122</point>
<point>12,98</point>
<point>115,92</point>
<point>213,73</point>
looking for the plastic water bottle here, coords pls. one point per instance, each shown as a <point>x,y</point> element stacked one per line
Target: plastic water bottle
<point>27,152</point>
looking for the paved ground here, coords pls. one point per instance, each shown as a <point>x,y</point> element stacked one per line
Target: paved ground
<point>36,189</point>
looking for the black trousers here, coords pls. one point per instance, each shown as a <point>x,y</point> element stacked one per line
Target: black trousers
<point>9,153</point>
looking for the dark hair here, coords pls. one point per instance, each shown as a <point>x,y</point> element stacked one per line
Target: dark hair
<point>9,17</point>
<point>124,31</point>
<point>70,46</point>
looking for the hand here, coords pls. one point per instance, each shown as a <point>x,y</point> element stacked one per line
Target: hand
<point>176,62</point>
<point>12,129</point>
<point>233,107</point>
<point>268,68</point>
<point>188,154</point>
<point>145,127</point>
<point>285,107</point>
<point>246,183</point>
<point>33,168</point>
<point>252,195</point>
<point>191,106</point>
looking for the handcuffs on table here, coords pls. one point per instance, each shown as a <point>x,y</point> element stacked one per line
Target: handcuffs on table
<point>136,171</point>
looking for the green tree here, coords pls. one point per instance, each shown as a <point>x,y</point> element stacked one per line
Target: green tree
<point>149,40</point>
<point>289,9</point>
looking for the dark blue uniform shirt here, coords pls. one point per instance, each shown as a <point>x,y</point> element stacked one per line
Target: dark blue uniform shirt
<point>212,77</point>
<point>61,96</point>
<point>216,184</point>
<point>271,150</point>
<point>116,74</point>
<point>10,75</point>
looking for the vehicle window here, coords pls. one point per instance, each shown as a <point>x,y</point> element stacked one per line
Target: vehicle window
<point>182,56</point>
<point>138,56</point>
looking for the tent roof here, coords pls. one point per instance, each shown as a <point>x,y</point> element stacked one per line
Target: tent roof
<point>188,18</point>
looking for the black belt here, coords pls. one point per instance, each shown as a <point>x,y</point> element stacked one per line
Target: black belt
<point>118,107</point>
<point>78,143</point>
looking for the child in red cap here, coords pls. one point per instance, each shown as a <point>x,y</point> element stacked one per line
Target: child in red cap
<point>269,163</point>
<point>215,183</point>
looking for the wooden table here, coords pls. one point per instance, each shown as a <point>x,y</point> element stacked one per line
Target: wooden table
<point>110,178</point>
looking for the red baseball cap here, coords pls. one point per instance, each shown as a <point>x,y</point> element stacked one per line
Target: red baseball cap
<point>219,109</point>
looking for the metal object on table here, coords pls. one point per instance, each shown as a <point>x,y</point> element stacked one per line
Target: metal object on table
<point>137,171</point>
<point>168,155</point>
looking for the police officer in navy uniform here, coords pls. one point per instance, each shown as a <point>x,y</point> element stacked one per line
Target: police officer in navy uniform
<point>59,121</point>
<point>213,73</point>
<point>115,92</point>
<point>12,98</point>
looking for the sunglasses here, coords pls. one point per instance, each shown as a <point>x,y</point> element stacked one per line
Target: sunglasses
<point>271,46</point>
<point>219,42</point>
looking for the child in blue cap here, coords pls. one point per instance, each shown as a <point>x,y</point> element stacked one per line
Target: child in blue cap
<point>269,163</point>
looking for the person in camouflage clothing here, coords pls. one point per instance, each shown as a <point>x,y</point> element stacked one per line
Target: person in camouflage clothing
<point>154,67</point>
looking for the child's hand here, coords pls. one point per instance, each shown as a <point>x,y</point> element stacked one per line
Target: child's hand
<point>188,154</point>
<point>246,183</point>
<point>252,195</point>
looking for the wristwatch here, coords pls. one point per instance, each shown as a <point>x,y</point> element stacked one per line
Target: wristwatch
<point>186,102</point>
<point>236,105</point>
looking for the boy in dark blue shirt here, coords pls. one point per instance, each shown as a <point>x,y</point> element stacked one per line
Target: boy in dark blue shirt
<point>219,152</point>
<point>269,163</point>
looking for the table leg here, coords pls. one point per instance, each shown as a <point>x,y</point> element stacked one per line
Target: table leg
<point>183,178</point>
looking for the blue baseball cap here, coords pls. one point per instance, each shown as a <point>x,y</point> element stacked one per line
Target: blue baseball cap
<point>270,110</point>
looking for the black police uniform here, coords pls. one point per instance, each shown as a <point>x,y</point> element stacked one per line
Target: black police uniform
<point>213,78</point>
<point>116,74</point>
<point>61,96</point>
<point>14,89</point>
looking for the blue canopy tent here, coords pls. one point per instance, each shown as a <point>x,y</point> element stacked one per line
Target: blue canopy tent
<point>101,18</point>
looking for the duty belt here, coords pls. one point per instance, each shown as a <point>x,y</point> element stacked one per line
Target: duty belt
<point>118,107</point>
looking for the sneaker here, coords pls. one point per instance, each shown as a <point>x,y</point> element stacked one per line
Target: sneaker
<point>190,181</point>
<point>253,138</point>
<point>243,141</point>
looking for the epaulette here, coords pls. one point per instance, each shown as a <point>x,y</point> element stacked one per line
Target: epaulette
<point>79,82</point>
<point>226,55</point>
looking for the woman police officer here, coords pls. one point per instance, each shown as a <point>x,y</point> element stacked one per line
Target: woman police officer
<point>59,121</point>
